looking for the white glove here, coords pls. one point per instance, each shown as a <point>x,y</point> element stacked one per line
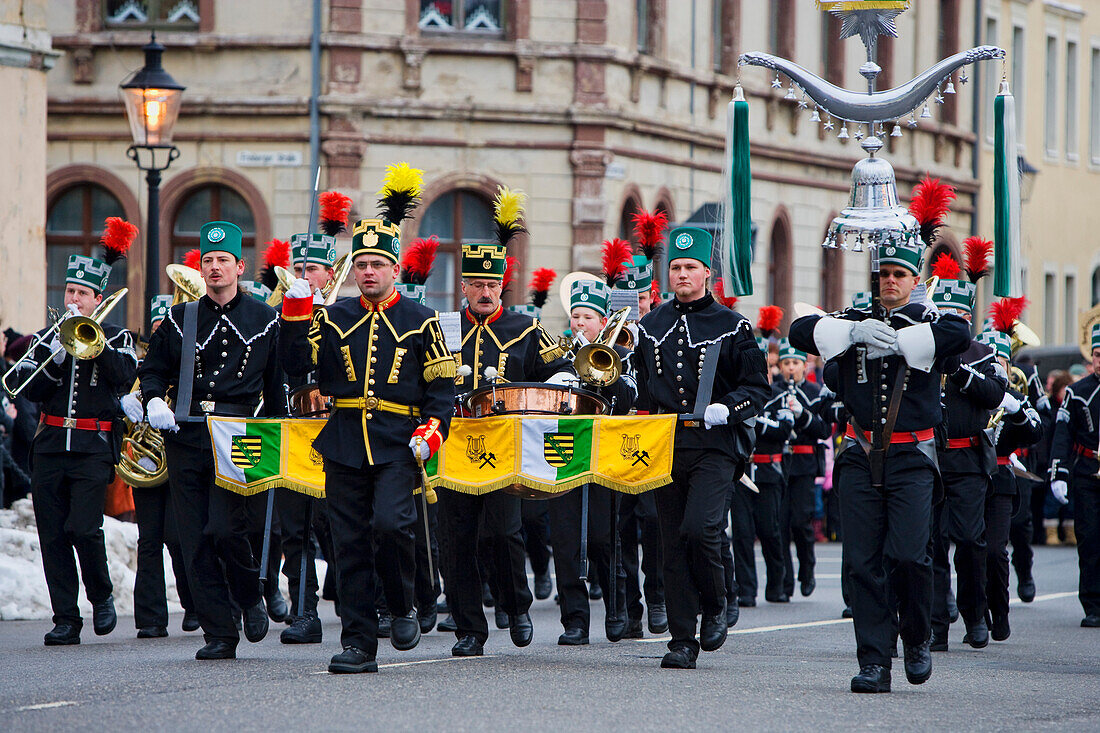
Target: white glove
<point>73,308</point>
<point>299,289</point>
<point>133,408</point>
<point>1016,462</point>
<point>57,350</point>
<point>785,415</point>
<point>425,451</point>
<point>716,414</point>
<point>1060,489</point>
<point>160,415</point>
<point>876,352</point>
<point>873,333</point>
<point>147,463</point>
<point>1010,404</point>
<point>562,378</point>
<point>795,406</point>
<point>1000,371</point>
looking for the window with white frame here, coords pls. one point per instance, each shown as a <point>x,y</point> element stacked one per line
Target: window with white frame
<point>484,17</point>
<point>182,14</point>
<point>1050,133</point>
<point>1071,101</point>
<point>1094,107</point>
<point>1069,323</point>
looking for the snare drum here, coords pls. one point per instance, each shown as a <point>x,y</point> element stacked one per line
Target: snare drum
<point>308,401</point>
<point>534,398</point>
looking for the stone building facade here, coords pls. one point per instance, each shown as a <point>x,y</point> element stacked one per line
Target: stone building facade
<point>595,108</point>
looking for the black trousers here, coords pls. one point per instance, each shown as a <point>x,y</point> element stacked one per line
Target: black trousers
<point>292,508</point>
<point>157,529</point>
<point>796,515</point>
<point>757,515</point>
<point>638,527</point>
<point>372,516</point>
<point>690,512</point>
<point>998,520</point>
<point>570,567</point>
<point>213,532</point>
<point>1021,531</point>
<point>497,516</point>
<point>887,540</point>
<point>256,509</point>
<point>960,518</point>
<point>426,577</point>
<point>536,534</point>
<point>1086,497</point>
<point>727,551</point>
<point>68,491</point>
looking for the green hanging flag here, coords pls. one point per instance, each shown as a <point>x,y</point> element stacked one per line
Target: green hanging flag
<point>1006,198</point>
<point>737,217</point>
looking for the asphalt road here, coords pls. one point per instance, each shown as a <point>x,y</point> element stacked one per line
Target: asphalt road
<point>784,667</point>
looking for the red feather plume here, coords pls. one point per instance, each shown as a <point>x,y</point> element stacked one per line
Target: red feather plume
<point>509,273</point>
<point>649,230</point>
<point>334,212</point>
<point>720,295</point>
<point>616,253</point>
<point>931,202</point>
<point>1006,312</point>
<point>417,263</point>
<point>654,295</point>
<point>977,251</point>
<point>946,268</point>
<point>277,253</point>
<point>769,319</point>
<point>193,259</point>
<point>117,237</point>
<point>541,280</point>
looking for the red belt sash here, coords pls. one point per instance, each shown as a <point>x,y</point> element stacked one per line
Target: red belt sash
<point>802,449</point>
<point>76,423</point>
<point>767,457</point>
<point>1086,452</point>
<point>918,436</point>
<point>971,442</point>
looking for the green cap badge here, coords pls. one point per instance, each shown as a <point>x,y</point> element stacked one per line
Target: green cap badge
<point>220,236</point>
<point>319,249</point>
<point>690,242</point>
<point>590,294</point>
<point>88,271</point>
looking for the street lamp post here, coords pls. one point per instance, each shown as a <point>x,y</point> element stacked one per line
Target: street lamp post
<point>152,99</point>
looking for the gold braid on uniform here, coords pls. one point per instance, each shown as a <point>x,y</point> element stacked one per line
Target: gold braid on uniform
<point>550,349</point>
<point>438,362</point>
<point>314,335</point>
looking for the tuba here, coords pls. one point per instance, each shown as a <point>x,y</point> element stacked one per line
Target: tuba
<point>141,441</point>
<point>598,363</point>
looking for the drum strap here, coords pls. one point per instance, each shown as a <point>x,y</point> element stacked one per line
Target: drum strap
<point>187,363</point>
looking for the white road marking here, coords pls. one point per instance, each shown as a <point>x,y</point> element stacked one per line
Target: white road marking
<point>391,665</point>
<point>1047,597</point>
<point>46,705</point>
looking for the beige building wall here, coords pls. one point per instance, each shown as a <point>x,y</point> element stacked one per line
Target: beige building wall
<point>25,58</point>
<point>564,105</point>
<point>1054,67</point>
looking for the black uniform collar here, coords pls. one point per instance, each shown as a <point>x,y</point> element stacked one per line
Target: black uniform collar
<point>694,305</point>
<point>223,308</point>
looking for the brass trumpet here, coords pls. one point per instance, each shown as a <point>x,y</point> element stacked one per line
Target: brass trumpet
<point>598,363</point>
<point>80,336</point>
<point>1017,380</point>
<point>340,272</point>
<point>285,278</point>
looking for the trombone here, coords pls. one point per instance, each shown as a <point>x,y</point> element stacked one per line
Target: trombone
<point>80,336</point>
<point>285,277</point>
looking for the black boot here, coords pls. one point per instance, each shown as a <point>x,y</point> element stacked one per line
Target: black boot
<point>918,663</point>
<point>468,646</point>
<point>521,629</point>
<point>658,618</point>
<point>190,621</point>
<point>871,678</point>
<point>733,613</point>
<point>679,657</point>
<point>255,622</point>
<point>614,628</point>
<point>938,642</point>
<point>218,649</point>
<point>573,636</point>
<point>62,635</point>
<point>713,631</point>
<point>385,621</point>
<point>1026,590</point>
<point>305,630</point>
<point>634,629</point>
<point>152,632</point>
<point>426,618</point>
<point>977,634</point>
<point>487,596</point>
<point>352,661</point>
<point>405,632</point>
<point>104,617</point>
<point>276,606</point>
<point>808,587</point>
<point>1000,630</point>
<point>501,618</point>
<point>543,586</point>
<point>448,624</point>
<point>952,607</point>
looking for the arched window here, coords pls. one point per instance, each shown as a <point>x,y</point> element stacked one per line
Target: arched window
<point>455,217</point>
<point>1095,286</point>
<point>213,203</point>
<point>832,278</point>
<point>631,206</point>
<point>780,265</point>
<point>74,225</point>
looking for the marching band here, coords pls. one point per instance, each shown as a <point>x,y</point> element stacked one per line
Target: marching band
<point>388,375</point>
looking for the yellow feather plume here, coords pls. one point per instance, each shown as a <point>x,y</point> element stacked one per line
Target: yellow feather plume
<point>509,205</point>
<point>403,177</point>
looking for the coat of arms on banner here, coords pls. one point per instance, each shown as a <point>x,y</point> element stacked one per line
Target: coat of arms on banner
<point>557,448</point>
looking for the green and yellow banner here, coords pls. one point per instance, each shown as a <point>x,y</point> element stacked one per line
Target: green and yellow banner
<point>548,454</point>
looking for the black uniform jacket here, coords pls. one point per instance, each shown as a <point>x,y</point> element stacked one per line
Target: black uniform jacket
<point>809,429</point>
<point>517,346</point>
<point>1076,429</point>
<point>88,388</point>
<point>235,362</point>
<point>773,430</point>
<point>970,396</point>
<point>391,356</point>
<point>1012,433</point>
<point>668,359</point>
<point>933,346</point>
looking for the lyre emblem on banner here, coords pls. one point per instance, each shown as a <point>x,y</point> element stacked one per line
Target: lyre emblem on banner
<point>316,458</point>
<point>475,451</point>
<point>630,445</point>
